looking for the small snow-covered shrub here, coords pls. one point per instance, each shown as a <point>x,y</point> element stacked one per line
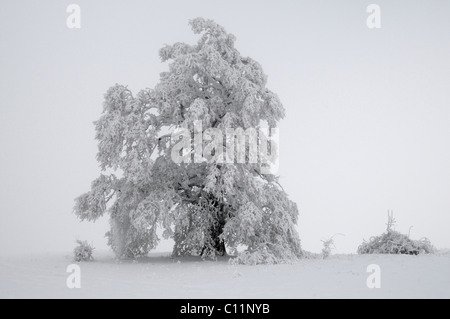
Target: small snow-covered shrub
<point>328,246</point>
<point>393,242</point>
<point>83,252</point>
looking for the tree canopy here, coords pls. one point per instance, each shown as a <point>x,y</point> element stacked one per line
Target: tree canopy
<point>205,207</point>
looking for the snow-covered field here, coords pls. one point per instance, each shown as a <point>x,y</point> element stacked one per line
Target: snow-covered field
<point>159,276</point>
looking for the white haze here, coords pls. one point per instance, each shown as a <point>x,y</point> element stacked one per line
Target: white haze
<point>368,111</point>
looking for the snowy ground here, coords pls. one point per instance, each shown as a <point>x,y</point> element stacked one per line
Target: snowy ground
<point>344,276</point>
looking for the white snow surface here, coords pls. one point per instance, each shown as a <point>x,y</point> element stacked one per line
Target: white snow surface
<point>160,276</point>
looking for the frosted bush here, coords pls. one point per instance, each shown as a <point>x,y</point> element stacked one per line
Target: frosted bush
<point>393,242</point>
<point>328,246</point>
<point>83,252</point>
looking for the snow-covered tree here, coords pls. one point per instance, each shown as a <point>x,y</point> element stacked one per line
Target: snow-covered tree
<point>204,206</point>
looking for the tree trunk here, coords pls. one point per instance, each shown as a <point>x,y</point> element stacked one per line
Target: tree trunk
<point>215,245</point>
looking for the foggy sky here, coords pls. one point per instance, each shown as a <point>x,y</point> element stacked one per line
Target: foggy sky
<point>367,124</point>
